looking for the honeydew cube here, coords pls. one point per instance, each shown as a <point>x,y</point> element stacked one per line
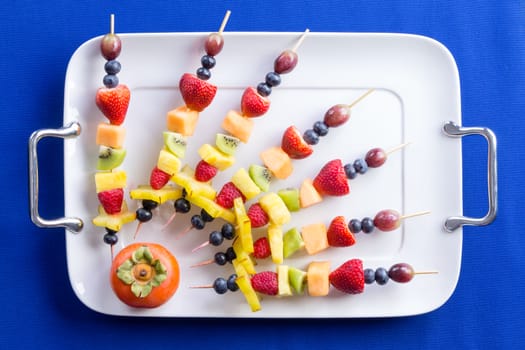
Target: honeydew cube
<point>275,238</point>
<point>292,242</point>
<point>110,135</point>
<point>109,181</point>
<point>237,125</point>
<point>317,278</point>
<point>182,120</point>
<point>213,156</point>
<point>245,286</point>
<point>314,237</point>
<point>275,208</point>
<point>168,162</point>
<point>242,180</point>
<point>297,279</point>
<point>160,196</point>
<point>278,162</point>
<point>283,281</point>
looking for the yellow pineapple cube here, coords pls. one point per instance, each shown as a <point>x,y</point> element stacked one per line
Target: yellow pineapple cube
<point>244,225</point>
<point>275,207</point>
<point>168,192</point>
<point>116,221</point>
<point>110,180</point>
<point>249,293</point>
<point>213,156</point>
<point>212,208</point>
<point>193,187</point>
<point>168,162</point>
<point>275,238</point>
<point>283,281</point>
<point>242,180</point>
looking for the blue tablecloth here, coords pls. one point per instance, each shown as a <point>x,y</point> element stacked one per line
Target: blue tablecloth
<point>40,309</point>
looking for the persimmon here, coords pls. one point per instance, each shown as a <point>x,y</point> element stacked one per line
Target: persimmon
<point>144,275</point>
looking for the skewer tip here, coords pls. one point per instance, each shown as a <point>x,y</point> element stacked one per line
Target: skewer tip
<point>301,39</point>
<point>224,22</point>
<point>112,23</point>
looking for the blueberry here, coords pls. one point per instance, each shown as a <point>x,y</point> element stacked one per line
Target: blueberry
<point>354,226</point>
<point>203,73</point>
<point>381,276</point>
<point>110,81</point>
<point>149,204</point>
<point>311,137</point>
<point>264,89</point>
<point>197,222</point>
<point>112,67</point>
<point>230,254</point>
<point>205,216</point>
<point>360,166</point>
<point>370,276</point>
<point>321,128</point>
<point>182,205</point>
<point>350,171</point>
<point>220,258</point>
<point>232,283</point>
<point>228,231</point>
<point>220,285</point>
<point>208,61</point>
<point>216,238</point>
<point>144,215</point>
<point>367,225</point>
<point>110,231</point>
<point>110,239</point>
<point>273,79</point>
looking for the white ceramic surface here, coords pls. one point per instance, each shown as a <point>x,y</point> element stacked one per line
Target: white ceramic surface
<point>417,90</point>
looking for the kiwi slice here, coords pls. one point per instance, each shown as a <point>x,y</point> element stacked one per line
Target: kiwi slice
<point>261,176</point>
<point>110,158</point>
<point>226,143</point>
<point>297,279</point>
<point>290,197</point>
<point>175,143</point>
<point>292,242</point>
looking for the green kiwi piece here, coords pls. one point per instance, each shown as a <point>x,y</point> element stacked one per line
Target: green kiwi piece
<point>175,143</point>
<point>292,242</point>
<point>226,143</point>
<point>110,158</point>
<point>297,279</point>
<point>290,197</point>
<point>261,176</point>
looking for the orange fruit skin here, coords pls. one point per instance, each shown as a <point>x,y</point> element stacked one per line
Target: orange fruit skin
<point>159,295</point>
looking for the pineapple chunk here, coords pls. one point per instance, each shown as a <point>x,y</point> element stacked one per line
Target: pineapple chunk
<point>193,187</point>
<point>283,282</point>
<point>276,209</point>
<point>243,257</point>
<point>275,237</point>
<point>166,193</point>
<point>109,181</point>
<point>244,225</point>
<point>242,180</point>
<point>168,162</point>
<point>116,221</point>
<point>213,208</point>
<point>247,290</point>
<point>213,156</point>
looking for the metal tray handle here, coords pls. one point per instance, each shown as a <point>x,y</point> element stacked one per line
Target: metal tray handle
<point>454,222</point>
<point>73,224</point>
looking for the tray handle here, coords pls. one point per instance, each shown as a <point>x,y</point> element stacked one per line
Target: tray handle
<point>454,222</point>
<point>73,224</point>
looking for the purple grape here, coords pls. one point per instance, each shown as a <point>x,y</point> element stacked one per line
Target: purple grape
<point>401,273</point>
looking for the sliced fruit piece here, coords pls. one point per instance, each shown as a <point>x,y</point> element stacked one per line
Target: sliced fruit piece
<point>314,236</point>
<point>204,172</point>
<point>297,279</point>
<point>110,135</point>
<point>212,208</point>
<point>265,283</point>
<point>331,180</point>
<point>261,176</point>
<point>239,268</point>
<point>116,221</point>
<point>113,103</point>
<point>242,180</point>
<point>257,215</point>
<point>247,290</point>
<point>275,237</point>
<point>197,93</point>
<point>227,194</point>
<point>213,156</point>
<point>227,143</point>
<point>349,277</point>
<point>109,181</point>
<point>317,278</point>
<point>243,257</point>
<point>244,225</point>
<point>111,200</point>
<point>308,195</point>
<point>110,158</point>
<point>194,188</point>
<point>261,248</point>
<point>168,162</point>
<point>253,104</point>
<point>338,233</point>
<point>182,120</point>
<point>160,196</point>
<point>278,162</point>
<point>237,125</point>
<point>175,143</point>
<point>290,197</point>
<point>158,178</point>
<point>294,144</point>
<point>283,281</point>
<point>274,206</point>
<point>292,242</point>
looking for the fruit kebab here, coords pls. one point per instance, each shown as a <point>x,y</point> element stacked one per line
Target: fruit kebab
<point>112,100</point>
<point>349,278</point>
<point>197,94</point>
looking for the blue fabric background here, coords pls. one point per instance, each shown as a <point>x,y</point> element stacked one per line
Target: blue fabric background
<point>487,39</point>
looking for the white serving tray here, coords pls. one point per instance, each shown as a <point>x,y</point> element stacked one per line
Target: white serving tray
<point>417,91</point>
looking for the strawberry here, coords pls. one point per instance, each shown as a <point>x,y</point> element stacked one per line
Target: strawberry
<point>197,93</point>
<point>257,215</point>
<point>158,178</point>
<point>294,145</point>
<point>204,171</point>
<point>261,248</point>
<point>339,234</point>
<point>227,194</point>
<point>265,282</point>
<point>331,180</point>
<point>111,200</point>
<point>253,104</point>
<point>113,103</point>
<point>349,277</point>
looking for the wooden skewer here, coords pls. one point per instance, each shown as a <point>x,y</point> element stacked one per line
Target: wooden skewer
<point>359,99</point>
<point>224,22</point>
<point>203,263</point>
<point>426,273</point>
<point>202,245</point>
<point>137,230</point>
<point>300,41</point>
<point>112,24</point>
<point>403,217</point>
<point>185,231</point>
<point>397,148</point>
<point>202,287</point>
<point>170,220</point>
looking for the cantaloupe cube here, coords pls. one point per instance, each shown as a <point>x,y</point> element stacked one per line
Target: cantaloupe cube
<point>314,237</point>
<point>275,238</point>
<point>275,208</point>
<point>168,162</point>
<point>317,278</point>
<point>211,155</point>
<point>237,125</point>
<point>308,195</point>
<point>110,135</point>
<point>182,120</point>
<point>278,162</point>
<point>109,181</point>
<point>242,180</point>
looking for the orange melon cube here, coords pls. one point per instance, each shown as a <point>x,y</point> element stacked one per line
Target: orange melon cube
<point>278,162</point>
<point>237,125</point>
<point>317,278</point>
<point>182,120</point>
<point>308,195</point>
<point>314,237</point>
<point>110,135</point>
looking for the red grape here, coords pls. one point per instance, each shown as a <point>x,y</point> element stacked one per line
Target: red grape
<point>387,220</point>
<point>337,115</point>
<point>401,273</point>
<point>375,157</point>
<point>110,46</point>
<point>286,62</point>
<point>214,43</point>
